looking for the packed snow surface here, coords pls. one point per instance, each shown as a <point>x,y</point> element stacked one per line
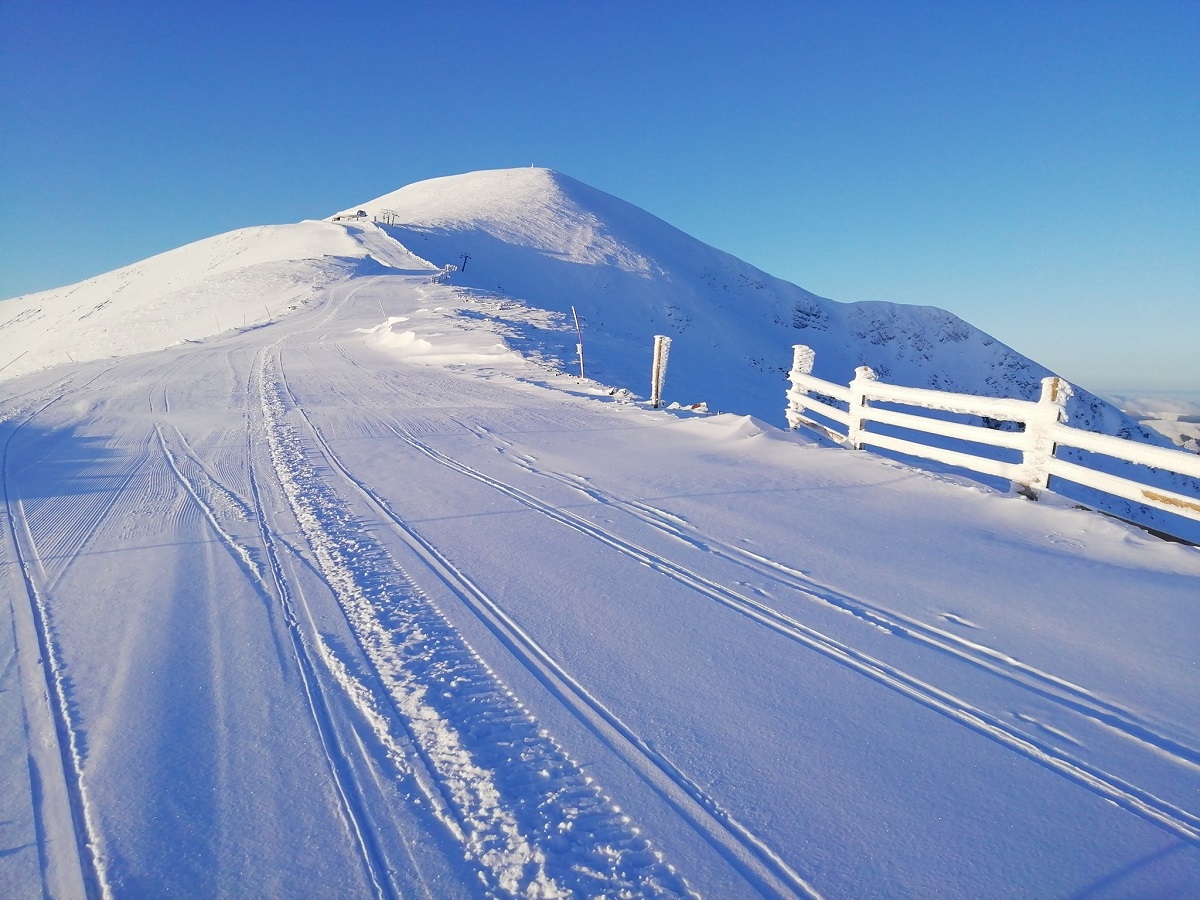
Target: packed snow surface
<point>375,599</point>
<point>241,278</point>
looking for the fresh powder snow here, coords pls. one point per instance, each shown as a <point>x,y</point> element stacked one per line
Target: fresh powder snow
<point>327,575</point>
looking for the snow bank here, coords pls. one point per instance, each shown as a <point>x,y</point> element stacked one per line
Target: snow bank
<point>435,346</point>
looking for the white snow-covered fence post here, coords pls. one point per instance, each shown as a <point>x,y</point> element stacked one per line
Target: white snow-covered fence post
<point>1039,449</point>
<point>658,372</point>
<point>803,359</point>
<point>809,395</point>
<point>863,376</point>
<point>443,274</point>
<point>579,345</point>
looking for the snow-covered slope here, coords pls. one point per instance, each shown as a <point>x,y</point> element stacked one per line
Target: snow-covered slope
<point>554,242</point>
<point>237,279</point>
<point>530,245</point>
<point>365,603</point>
<point>286,614</point>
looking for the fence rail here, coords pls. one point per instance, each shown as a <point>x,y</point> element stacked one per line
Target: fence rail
<point>1043,431</point>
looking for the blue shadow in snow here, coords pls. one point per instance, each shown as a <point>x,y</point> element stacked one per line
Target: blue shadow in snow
<point>39,462</point>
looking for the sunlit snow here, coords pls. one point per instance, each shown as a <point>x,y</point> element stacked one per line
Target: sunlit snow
<point>327,575</point>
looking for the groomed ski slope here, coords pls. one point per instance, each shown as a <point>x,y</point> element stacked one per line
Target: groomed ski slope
<point>363,603</point>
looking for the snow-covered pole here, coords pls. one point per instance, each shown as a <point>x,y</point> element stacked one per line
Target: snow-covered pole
<point>579,345</point>
<point>1039,449</point>
<point>658,372</point>
<point>13,360</point>
<point>863,376</point>
<point>803,359</point>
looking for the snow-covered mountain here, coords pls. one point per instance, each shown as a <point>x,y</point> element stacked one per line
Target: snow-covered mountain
<point>549,240</point>
<point>522,248</point>
<point>379,600</point>
<point>537,238</point>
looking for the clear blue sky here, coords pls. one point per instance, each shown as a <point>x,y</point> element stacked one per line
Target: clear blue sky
<point>1032,167</point>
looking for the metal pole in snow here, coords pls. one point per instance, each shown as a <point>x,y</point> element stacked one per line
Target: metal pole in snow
<point>658,372</point>
<point>578,346</point>
<point>13,360</point>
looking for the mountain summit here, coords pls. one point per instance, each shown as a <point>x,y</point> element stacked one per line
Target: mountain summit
<point>535,240</point>
<point>378,599</point>
<point>551,241</point>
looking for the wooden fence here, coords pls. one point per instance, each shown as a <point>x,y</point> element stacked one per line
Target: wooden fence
<point>1043,430</point>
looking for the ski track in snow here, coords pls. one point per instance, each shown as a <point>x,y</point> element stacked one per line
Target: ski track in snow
<point>1043,684</point>
<point>746,851</point>
<point>63,530</point>
<point>89,850</point>
<point>220,507</point>
<point>1130,797</point>
<point>225,513</point>
<point>527,817</point>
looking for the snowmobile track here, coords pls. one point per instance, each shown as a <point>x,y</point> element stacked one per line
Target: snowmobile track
<point>753,858</point>
<point>1043,684</point>
<point>340,771</point>
<point>1161,813</point>
<point>537,794</point>
<point>93,876</point>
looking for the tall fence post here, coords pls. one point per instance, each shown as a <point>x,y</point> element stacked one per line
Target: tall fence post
<point>863,376</point>
<point>578,346</point>
<point>658,372</point>
<point>1039,449</point>
<point>803,358</point>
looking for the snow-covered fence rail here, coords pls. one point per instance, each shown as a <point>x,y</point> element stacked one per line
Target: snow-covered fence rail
<point>1163,458</point>
<point>1043,431</point>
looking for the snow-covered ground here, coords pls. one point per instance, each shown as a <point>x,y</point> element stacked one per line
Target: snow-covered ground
<point>364,602</point>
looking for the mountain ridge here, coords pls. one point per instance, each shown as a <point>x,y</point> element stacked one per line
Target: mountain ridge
<point>539,237</point>
<point>543,237</point>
